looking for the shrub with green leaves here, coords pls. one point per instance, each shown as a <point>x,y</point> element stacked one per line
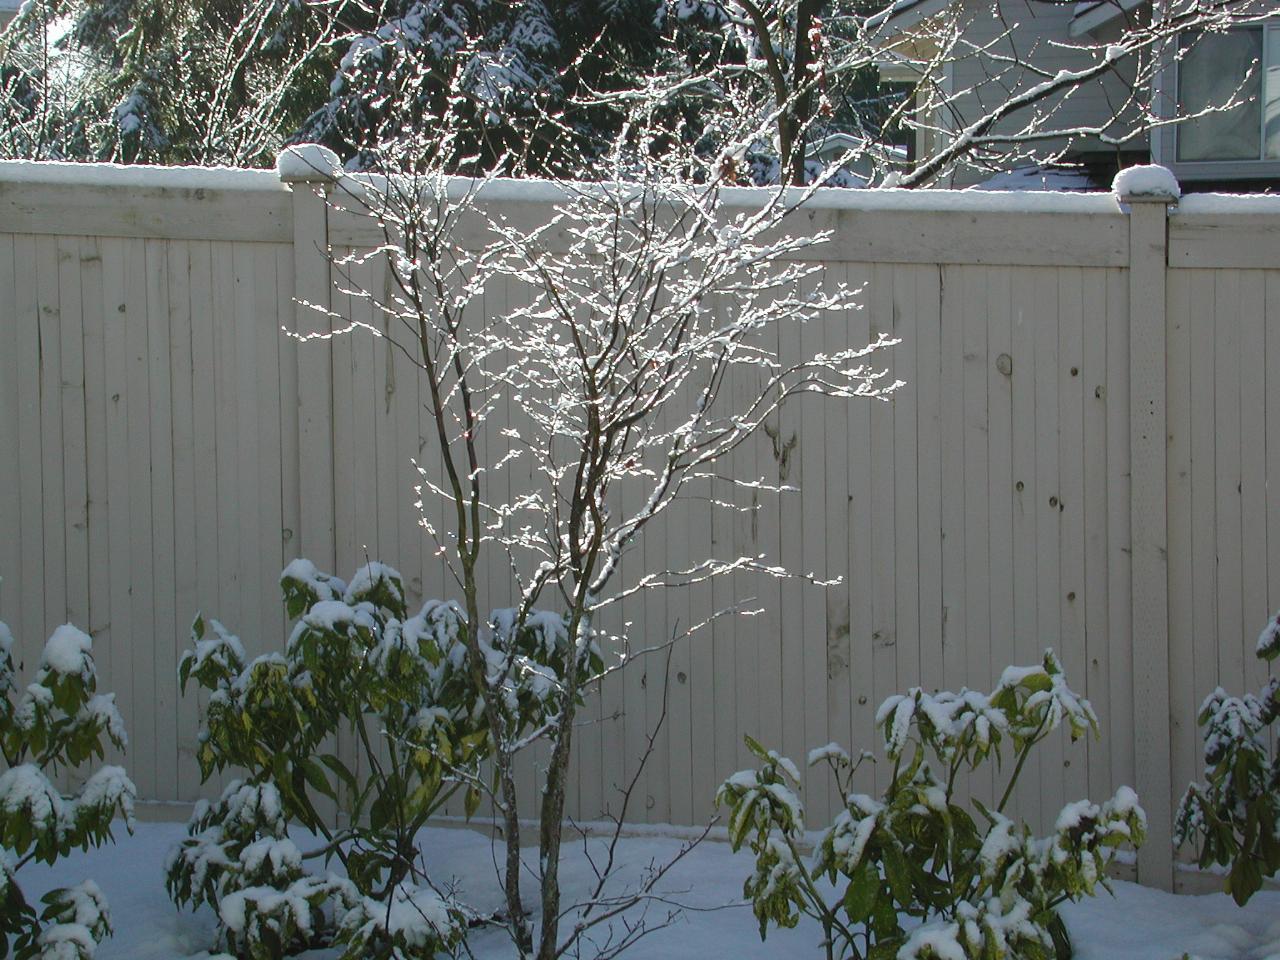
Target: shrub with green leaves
<point>1235,814</point>
<point>916,875</point>
<point>51,728</point>
<point>399,689</point>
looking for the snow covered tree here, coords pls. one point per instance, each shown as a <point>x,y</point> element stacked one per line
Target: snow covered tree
<point>980,886</point>
<point>358,665</point>
<point>48,731</point>
<point>1234,816</point>
<point>640,350</point>
<point>229,81</point>
<point>526,78</point>
<point>157,81</point>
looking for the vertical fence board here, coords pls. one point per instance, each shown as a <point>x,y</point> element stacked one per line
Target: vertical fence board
<point>98,619</point>
<point>812,704</point>
<point>142,560</point>
<point>1093,378</point>
<point>1071,509</point>
<point>862,558</point>
<point>119,633</point>
<point>1000,489</point>
<point>906,474</point>
<point>53,507</point>
<point>1228,534</point>
<point>11,556</point>
<point>926,326</point>
<point>182,363</point>
<point>74,446</point>
<point>1119,554</point>
<point>954,597</point>
<point>1252,485</point>
<point>32,626</point>
<point>163,549</point>
<point>1048,516</point>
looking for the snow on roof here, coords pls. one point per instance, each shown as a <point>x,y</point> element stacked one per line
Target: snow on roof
<point>1036,178</point>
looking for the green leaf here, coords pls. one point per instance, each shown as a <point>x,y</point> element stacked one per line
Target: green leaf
<point>340,770</point>
<point>897,873</point>
<point>863,891</point>
<point>315,776</point>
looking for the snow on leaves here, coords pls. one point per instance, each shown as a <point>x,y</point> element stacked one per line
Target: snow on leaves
<point>980,891</point>
<point>1234,816</point>
<point>57,722</point>
<point>355,660</point>
<point>415,922</point>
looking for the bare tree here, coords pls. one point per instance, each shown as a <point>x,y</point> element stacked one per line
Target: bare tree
<point>639,301</point>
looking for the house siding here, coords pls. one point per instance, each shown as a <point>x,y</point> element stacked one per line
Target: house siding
<point>1038,33</point>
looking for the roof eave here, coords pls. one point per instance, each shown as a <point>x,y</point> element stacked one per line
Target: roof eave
<point>1100,15</point>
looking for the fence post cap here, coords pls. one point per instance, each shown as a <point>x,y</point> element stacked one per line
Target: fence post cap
<point>308,163</point>
<point>1148,183</point>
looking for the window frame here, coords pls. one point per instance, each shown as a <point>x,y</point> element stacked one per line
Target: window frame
<point>1165,139</point>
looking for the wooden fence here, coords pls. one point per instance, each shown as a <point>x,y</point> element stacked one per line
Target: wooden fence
<point>1079,460</point>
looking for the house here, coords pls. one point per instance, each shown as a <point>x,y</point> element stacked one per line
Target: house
<point>974,54</point>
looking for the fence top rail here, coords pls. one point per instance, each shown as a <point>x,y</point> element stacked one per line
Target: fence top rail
<point>534,191</point>
<point>507,190</point>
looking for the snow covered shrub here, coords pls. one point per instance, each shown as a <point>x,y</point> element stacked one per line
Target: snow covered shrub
<point>53,726</point>
<point>975,886</point>
<point>357,664</point>
<point>1235,816</point>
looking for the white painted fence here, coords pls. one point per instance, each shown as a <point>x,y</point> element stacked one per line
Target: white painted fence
<point>1080,459</point>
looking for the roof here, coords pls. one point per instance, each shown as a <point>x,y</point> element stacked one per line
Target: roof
<point>1040,178</point>
<point>1092,14</point>
<point>1089,15</point>
<point>904,14</point>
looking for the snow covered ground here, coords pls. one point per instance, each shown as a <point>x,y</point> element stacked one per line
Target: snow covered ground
<point>1138,924</point>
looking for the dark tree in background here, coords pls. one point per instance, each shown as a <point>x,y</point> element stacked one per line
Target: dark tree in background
<point>545,87</point>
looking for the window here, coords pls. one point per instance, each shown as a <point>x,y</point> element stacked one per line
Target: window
<point>1241,67</point>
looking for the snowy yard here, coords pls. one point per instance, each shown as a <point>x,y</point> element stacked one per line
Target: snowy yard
<point>1138,924</point>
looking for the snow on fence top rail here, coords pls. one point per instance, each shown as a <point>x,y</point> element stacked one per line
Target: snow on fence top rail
<point>541,191</point>
<point>1228,203</point>
<point>506,190</point>
<point>55,173</point>
<point>890,226</point>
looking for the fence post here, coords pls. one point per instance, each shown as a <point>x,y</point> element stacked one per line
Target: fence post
<point>1149,191</point>
<point>311,171</point>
